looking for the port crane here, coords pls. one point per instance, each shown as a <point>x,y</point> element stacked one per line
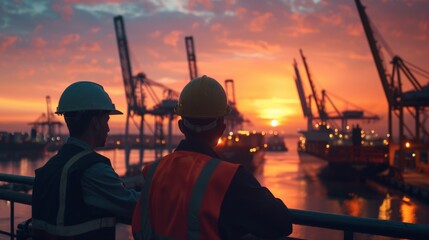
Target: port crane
<point>323,115</point>
<point>192,59</point>
<point>137,88</point>
<point>48,124</point>
<point>415,101</point>
<point>234,120</point>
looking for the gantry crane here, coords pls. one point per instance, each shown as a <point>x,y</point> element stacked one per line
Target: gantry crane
<point>136,88</point>
<point>323,115</point>
<point>192,59</point>
<point>234,121</point>
<point>416,101</point>
<point>49,121</point>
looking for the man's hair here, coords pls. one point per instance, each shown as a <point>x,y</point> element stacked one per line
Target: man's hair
<point>195,127</point>
<point>78,122</point>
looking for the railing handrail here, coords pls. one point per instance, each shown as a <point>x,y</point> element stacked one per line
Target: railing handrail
<point>300,217</point>
<point>360,224</point>
<point>11,178</point>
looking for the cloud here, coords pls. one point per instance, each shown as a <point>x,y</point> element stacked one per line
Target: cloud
<point>70,38</point>
<point>366,57</point>
<point>95,30</point>
<point>66,11</point>
<point>90,47</point>
<point>39,42</point>
<point>24,7</point>
<point>26,73</point>
<point>38,28</point>
<point>207,4</point>
<point>246,46</point>
<point>7,42</point>
<point>172,38</point>
<point>354,30</point>
<point>131,10</point>
<point>259,21</point>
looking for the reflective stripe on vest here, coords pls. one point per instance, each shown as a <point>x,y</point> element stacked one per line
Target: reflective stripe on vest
<point>146,231</point>
<point>67,231</point>
<point>59,229</point>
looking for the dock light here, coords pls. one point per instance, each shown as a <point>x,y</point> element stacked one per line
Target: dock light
<point>219,141</point>
<point>414,154</point>
<point>265,145</point>
<point>328,146</point>
<point>237,139</point>
<point>407,144</point>
<point>331,136</point>
<point>385,142</point>
<point>118,142</point>
<point>231,133</point>
<point>406,199</point>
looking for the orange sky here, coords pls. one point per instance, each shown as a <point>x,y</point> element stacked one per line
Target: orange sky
<point>47,45</point>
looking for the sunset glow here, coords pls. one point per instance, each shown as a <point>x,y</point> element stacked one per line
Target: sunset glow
<point>46,45</point>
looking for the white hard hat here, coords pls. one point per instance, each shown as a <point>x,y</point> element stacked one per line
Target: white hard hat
<point>84,96</point>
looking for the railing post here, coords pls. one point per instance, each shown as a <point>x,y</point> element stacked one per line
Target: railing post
<point>348,235</point>
<point>12,221</point>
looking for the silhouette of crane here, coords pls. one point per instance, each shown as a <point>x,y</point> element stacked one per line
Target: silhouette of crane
<point>323,115</point>
<point>48,124</point>
<point>137,87</point>
<point>234,121</point>
<point>192,59</point>
<point>415,101</point>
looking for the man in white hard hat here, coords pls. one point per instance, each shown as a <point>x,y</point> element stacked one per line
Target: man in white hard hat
<point>77,194</point>
<point>191,194</point>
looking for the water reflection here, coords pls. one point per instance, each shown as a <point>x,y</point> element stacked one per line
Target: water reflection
<point>385,208</point>
<point>408,210</point>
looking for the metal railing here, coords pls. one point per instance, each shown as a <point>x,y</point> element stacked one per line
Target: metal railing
<point>348,224</point>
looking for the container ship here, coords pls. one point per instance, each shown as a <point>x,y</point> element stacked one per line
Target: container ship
<point>364,153</point>
<point>20,144</point>
<point>245,148</point>
<point>276,143</point>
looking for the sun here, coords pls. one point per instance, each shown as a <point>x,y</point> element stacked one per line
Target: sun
<point>274,123</point>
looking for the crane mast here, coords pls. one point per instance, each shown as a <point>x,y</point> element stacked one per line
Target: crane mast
<point>319,102</point>
<point>306,109</point>
<point>124,58</point>
<point>388,91</point>
<point>192,60</point>
<point>396,98</point>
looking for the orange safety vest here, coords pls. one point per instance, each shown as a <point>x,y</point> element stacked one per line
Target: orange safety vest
<point>182,197</point>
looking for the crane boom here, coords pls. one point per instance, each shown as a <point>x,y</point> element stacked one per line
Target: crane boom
<point>301,93</point>
<point>375,52</point>
<point>124,57</point>
<point>319,103</point>
<point>192,60</point>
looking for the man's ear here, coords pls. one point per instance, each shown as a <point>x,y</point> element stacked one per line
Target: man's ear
<point>181,127</point>
<point>95,123</point>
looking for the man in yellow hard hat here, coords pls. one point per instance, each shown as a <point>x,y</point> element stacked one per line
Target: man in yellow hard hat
<point>192,194</point>
<point>77,194</point>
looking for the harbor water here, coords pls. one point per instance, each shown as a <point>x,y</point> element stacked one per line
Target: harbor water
<point>292,177</point>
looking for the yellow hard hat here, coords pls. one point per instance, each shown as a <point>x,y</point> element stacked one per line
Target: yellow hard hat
<point>85,96</point>
<point>203,97</point>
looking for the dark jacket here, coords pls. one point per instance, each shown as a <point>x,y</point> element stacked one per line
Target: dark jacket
<point>58,205</point>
